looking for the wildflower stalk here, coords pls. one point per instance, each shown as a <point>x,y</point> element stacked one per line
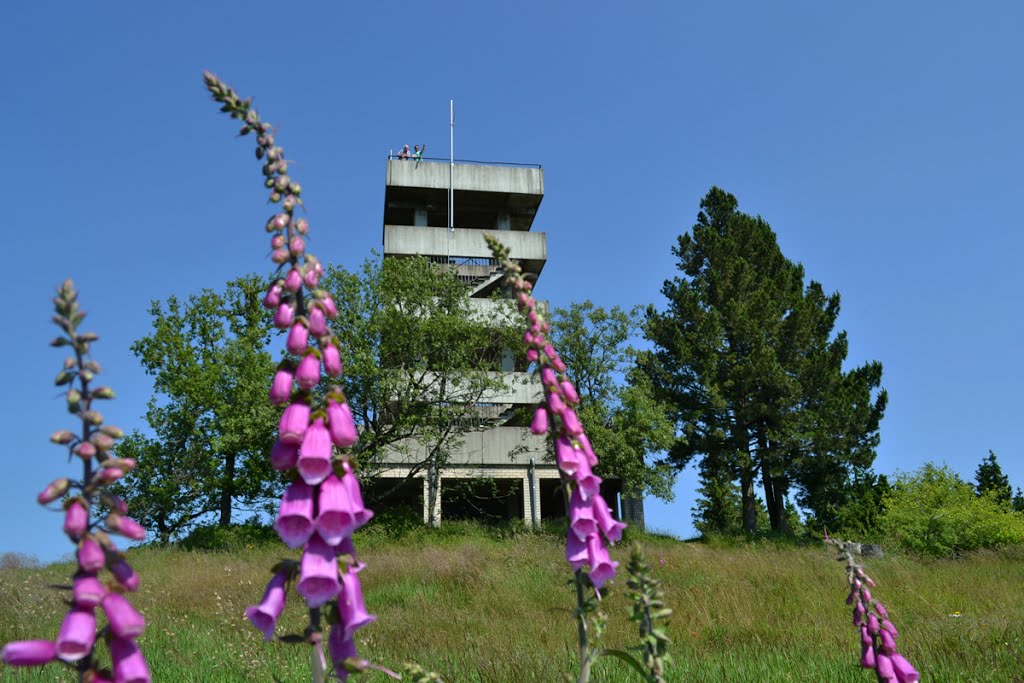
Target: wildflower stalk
<point>591,524</point>
<point>877,634</point>
<point>75,645</point>
<point>323,504</point>
<point>649,609</point>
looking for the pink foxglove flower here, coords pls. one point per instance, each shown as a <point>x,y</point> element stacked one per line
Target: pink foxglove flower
<point>273,297</point>
<point>125,526</point>
<point>581,516</point>
<point>340,648</point>
<point>293,281</point>
<point>91,557</point>
<point>317,320</point>
<point>602,568</point>
<point>314,462</point>
<point>55,490</point>
<point>567,456</point>
<point>307,375</point>
<point>298,338</point>
<point>539,425</point>
<point>588,482</point>
<point>341,425</point>
<point>337,513</point>
<point>610,527</point>
<point>77,634</point>
<point>295,516</point>
<point>318,577</point>
<point>353,610</point>
<point>76,519</point>
<point>29,652</point>
<point>125,621</point>
<point>332,360</point>
<point>363,515</point>
<point>281,388</point>
<point>285,315</point>
<point>264,616</point>
<point>283,456</point>
<point>129,665</point>
<point>294,422</point>
<point>88,591</point>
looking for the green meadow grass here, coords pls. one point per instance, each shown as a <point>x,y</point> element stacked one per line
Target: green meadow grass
<point>479,605</point>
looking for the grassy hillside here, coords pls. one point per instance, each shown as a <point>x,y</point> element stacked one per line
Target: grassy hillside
<point>480,605</point>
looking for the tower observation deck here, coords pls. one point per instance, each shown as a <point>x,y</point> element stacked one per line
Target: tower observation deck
<point>502,200</point>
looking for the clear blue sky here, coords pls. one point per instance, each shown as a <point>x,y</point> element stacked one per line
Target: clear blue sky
<point>882,141</point>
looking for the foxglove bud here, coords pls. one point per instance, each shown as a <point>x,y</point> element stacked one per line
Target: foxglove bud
<point>277,241</point>
<point>308,373</point>
<point>76,519</point>
<point>340,424</point>
<point>88,592</point>
<point>125,575</point>
<point>284,315</point>
<point>302,226</point>
<point>283,456</point>
<point>62,437</point>
<point>297,246</point>
<point>125,620</point>
<point>126,526</point>
<point>317,320</point>
<point>91,557</point>
<point>280,256</point>
<point>84,450</point>
<point>294,422</point>
<point>569,392</point>
<point>293,281</point>
<point>310,277</point>
<point>571,423</point>
<point>329,308</point>
<point>539,426</point>
<point>298,338</point>
<point>29,653</point>
<point>281,389</point>
<point>555,403</point>
<point>547,377</point>
<point>55,490</point>
<point>273,297</point>
<point>332,360</point>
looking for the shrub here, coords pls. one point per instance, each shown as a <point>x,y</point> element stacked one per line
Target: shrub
<point>934,512</point>
<point>251,534</point>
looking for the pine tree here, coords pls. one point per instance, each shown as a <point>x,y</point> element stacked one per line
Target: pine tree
<point>991,480</point>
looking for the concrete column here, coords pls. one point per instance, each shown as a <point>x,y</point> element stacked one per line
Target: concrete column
<point>427,501</point>
<point>527,504</point>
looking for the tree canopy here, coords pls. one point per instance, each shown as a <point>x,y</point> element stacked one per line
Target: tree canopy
<point>746,356</point>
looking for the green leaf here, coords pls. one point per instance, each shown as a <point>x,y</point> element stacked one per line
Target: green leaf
<point>623,656</point>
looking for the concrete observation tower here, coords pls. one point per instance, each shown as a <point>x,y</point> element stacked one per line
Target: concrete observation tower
<point>502,200</point>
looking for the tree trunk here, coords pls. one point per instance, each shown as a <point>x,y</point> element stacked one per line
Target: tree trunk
<point>769,496</point>
<point>780,487</point>
<point>749,504</point>
<point>227,490</point>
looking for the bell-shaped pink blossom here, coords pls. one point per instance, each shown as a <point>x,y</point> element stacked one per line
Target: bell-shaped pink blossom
<point>318,573</point>
<point>905,673</point>
<point>581,516</point>
<point>91,557</point>
<point>363,515</point>
<point>314,462</point>
<point>337,514</point>
<point>273,297</point>
<point>126,526</point>
<point>88,591</point>
<point>883,666</point>
<point>867,656</point>
<point>588,483</point>
<point>341,425</point>
<point>284,315</point>
<point>29,652</point>
<point>294,422</point>
<point>569,392</point>
<point>125,575</point>
<point>588,450</point>
<point>888,625</point>
<point>125,621</point>
<point>307,375</point>
<point>539,425</point>
<point>865,636</point>
<point>340,648</point>
<point>317,320</point>
<point>298,338</point>
<point>532,356</point>
<point>602,568</point>
<point>610,527</point>
<point>264,616</point>
<point>281,388</point>
<point>294,522</point>
<point>129,664</point>
<point>332,360</point>
<point>548,378</point>
<point>77,634</point>
<point>555,403</point>
<point>571,423</point>
<point>873,626</point>
<point>283,456</point>
<point>353,610</point>
<point>76,519</point>
<point>293,280</point>
<point>888,642</point>
<point>575,551</point>
<point>567,455</point>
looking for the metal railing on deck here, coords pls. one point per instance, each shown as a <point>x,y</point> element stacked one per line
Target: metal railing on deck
<point>434,160</point>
